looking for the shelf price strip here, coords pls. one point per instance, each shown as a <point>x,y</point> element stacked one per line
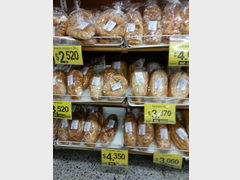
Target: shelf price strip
<point>178,51</point>
<point>162,113</point>
<point>68,55</point>
<point>62,109</point>
<point>172,160</point>
<point>114,157</point>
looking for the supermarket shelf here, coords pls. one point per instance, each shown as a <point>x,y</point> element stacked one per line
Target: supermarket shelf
<point>124,104</point>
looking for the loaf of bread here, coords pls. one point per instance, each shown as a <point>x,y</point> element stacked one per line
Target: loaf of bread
<point>152,66</point>
<point>61,29</point>
<point>185,18</point>
<point>96,86</point>
<point>131,68</point>
<point>145,133</point>
<point>59,83</point>
<point>62,134</point>
<point>80,24</point>
<point>108,74</point>
<point>109,129</point>
<point>158,84</point>
<point>120,67</point>
<point>162,136</point>
<point>75,83</point>
<point>139,83</point>
<point>130,130</point>
<point>55,128</point>
<point>75,131</point>
<point>59,22</point>
<point>88,73</point>
<point>179,85</point>
<point>91,130</point>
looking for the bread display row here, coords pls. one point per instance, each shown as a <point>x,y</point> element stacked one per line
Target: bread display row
<point>124,19</point>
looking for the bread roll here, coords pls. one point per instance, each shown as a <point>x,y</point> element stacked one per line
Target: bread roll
<point>75,131</point>
<point>95,87</point>
<point>55,128</point>
<point>91,130</point>
<point>80,24</point>
<point>109,129</point>
<point>162,136</point>
<point>75,83</point>
<point>179,85</point>
<point>130,130</point>
<point>139,84</point>
<point>88,73</point>
<point>120,67</point>
<point>152,66</point>
<point>145,133</point>
<point>62,134</point>
<point>59,83</point>
<point>184,28</point>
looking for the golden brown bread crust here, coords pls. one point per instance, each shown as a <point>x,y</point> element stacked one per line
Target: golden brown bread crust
<point>162,136</point>
<point>120,67</point>
<point>108,74</point>
<point>59,83</point>
<point>62,134</point>
<point>75,83</point>
<point>96,86</point>
<point>88,73</point>
<point>185,19</point>
<point>88,41</point>
<point>75,131</point>
<point>55,128</point>
<point>130,130</point>
<point>61,29</point>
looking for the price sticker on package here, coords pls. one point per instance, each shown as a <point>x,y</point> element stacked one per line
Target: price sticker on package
<point>62,109</point>
<point>115,157</point>
<point>68,55</point>
<point>178,51</point>
<point>160,113</point>
<point>172,160</point>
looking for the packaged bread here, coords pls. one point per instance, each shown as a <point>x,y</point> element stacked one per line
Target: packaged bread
<point>179,85</point>
<point>184,29</point>
<point>111,22</point>
<point>115,87</point>
<point>81,24</point>
<point>59,83</point>
<point>152,66</point>
<point>108,73</point>
<point>162,136</point>
<point>55,128</point>
<point>91,130</point>
<point>131,68</point>
<point>171,20</point>
<point>179,136</point>
<point>158,84</point>
<point>152,28</point>
<point>139,83</point>
<point>120,67</point>
<point>75,83</point>
<point>109,129</point>
<point>145,133</point>
<point>97,111</point>
<point>130,130</point>
<point>96,86</point>
<point>75,131</point>
<point>88,73</point>
<point>134,25</point>
<point>62,134</point>
<point>88,41</point>
<point>59,22</point>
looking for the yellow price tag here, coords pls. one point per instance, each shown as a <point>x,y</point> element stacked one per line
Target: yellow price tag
<point>172,160</point>
<point>160,113</point>
<point>179,51</point>
<point>114,157</point>
<point>68,55</point>
<point>62,109</point>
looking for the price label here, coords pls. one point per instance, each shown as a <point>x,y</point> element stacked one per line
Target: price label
<point>62,109</point>
<point>160,113</point>
<point>179,51</point>
<point>114,157</point>
<point>172,160</point>
<point>68,55</point>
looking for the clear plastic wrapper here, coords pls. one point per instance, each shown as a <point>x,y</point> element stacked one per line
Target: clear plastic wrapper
<point>62,134</point>
<point>108,74</point>
<point>185,18</point>
<point>96,87</point>
<point>99,64</point>
<point>75,130</point>
<point>88,41</point>
<point>152,29</point>
<point>88,73</point>
<point>130,130</point>
<point>97,111</point>
<point>120,67</point>
<point>75,83</point>
<point>59,22</point>
<point>59,83</point>
<point>152,66</point>
<point>162,136</point>
<point>137,64</point>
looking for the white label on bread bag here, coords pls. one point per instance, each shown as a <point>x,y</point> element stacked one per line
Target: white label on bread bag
<point>111,123</point>
<point>152,25</point>
<point>181,133</point>
<point>110,25</point>
<point>82,25</point>
<point>85,70</point>
<point>158,83</point>
<point>130,27</point>
<point>86,126</point>
<point>96,81</point>
<point>164,133</point>
<point>139,77</point>
<point>70,80</point>
<point>116,65</point>
<point>182,84</point>
<point>54,80</point>
<point>74,124</point>
<point>64,123</point>
<point>141,129</point>
<point>116,86</point>
<point>128,127</point>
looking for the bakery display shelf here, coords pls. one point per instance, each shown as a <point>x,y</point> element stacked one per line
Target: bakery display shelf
<point>123,104</point>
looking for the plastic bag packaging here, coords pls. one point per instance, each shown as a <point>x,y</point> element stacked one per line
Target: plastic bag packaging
<point>91,130</point>
<point>96,87</point>
<point>59,83</point>
<point>75,83</point>
<point>88,73</point>
<point>158,84</point>
<point>185,18</point>
<point>162,136</point>
<point>130,130</point>
<point>179,85</point>
<point>152,66</point>
<point>134,25</point>
<point>75,131</point>
<point>171,20</point>
<point>137,64</point>
<point>97,111</point>
<point>55,128</point>
<point>109,129</point>
<point>59,22</point>
<point>62,134</point>
<point>152,23</point>
<point>111,22</point>
<point>139,83</point>
<point>88,41</point>
<point>99,64</point>
<point>120,67</point>
<point>108,74</point>
<point>145,133</point>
